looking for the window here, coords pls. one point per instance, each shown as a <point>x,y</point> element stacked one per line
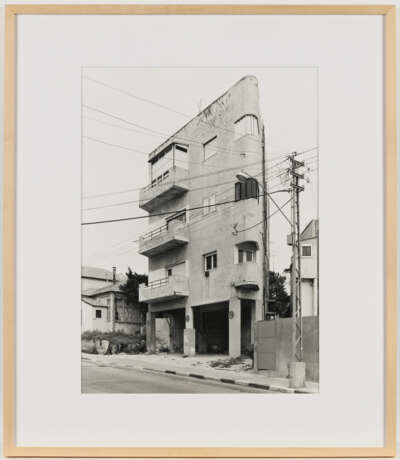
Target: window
<point>248,124</point>
<point>306,250</point>
<point>181,156</point>
<point>246,252</point>
<point>209,204</point>
<point>180,147</point>
<point>210,261</point>
<point>169,272</point>
<point>116,315</point>
<point>247,255</point>
<point>161,164</point>
<point>247,189</point>
<point>98,314</point>
<point>210,148</point>
<point>176,218</point>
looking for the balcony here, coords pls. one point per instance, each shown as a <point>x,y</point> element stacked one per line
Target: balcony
<point>172,287</point>
<point>163,239</point>
<point>171,184</point>
<point>248,276</point>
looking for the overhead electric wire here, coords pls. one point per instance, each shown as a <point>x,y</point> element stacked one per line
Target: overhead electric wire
<point>167,136</point>
<point>157,214</point>
<point>123,203</point>
<point>131,149</point>
<point>259,223</point>
<point>181,181</point>
<point>202,221</point>
<point>142,99</point>
<point>274,159</point>
<point>275,155</point>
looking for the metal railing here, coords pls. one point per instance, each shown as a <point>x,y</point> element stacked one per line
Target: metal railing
<point>170,226</point>
<point>156,232</point>
<point>158,283</point>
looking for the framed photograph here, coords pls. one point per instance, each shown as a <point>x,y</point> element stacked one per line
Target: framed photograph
<point>200,231</point>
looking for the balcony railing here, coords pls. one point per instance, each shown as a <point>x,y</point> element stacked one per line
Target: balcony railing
<point>172,183</point>
<point>171,287</point>
<point>163,239</point>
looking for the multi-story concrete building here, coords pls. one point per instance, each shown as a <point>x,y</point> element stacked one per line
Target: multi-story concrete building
<point>205,257</point>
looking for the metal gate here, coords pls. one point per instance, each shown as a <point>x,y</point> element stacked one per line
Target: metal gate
<point>265,345</point>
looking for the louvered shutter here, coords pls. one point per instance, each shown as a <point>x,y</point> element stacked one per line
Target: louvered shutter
<point>238,189</point>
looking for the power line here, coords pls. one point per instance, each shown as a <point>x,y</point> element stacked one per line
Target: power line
<point>167,136</point>
<point>199,176</point>
<point>131,149</point>
<point>202,221</point>
<point>100,195</point>
<point>142,99</point>
<point>128,93</point>
<point>123,203</point>
<point>259,223</point>
<point>156,214</point>
<point>276,155</point>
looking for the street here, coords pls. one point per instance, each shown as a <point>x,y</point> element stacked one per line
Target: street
<point>107,379</point>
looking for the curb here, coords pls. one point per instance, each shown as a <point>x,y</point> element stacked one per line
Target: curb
<point>278,389</point>
<point>243,383</point>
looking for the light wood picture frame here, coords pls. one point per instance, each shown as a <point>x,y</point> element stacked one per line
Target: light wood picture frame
<point>10,447</point>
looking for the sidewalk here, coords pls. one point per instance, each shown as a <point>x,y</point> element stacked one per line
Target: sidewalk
<point>198,367</point>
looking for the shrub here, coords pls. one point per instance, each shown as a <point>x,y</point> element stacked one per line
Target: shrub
<point>119,341</point>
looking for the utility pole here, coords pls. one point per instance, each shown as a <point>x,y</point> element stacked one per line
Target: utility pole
<point>297,366</point>
<point>265,231</point>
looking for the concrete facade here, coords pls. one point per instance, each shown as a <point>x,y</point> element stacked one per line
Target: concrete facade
<point>205,265</point>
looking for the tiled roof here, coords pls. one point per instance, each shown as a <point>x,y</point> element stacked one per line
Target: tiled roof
<point>99,273</point>
<point>108,288</point>
<point>310,231</point>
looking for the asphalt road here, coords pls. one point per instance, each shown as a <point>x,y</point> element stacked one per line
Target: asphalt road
<point>107,379</point>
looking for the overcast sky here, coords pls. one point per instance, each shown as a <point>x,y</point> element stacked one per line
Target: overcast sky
<point>111,174</point>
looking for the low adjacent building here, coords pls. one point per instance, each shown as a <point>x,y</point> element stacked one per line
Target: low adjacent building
<point>309,269</point>
<point>104,306</point>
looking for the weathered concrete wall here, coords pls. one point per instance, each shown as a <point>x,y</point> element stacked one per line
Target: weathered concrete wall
<point>89,320</point>
<point>310,346</point>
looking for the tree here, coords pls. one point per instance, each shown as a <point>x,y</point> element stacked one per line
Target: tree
<point>131,287</point>
<point>279,299</point>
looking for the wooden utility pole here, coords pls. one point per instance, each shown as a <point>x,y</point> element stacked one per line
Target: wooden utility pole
<point>265,230</point>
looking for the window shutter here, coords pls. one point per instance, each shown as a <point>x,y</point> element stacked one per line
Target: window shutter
<point>248,185</point>
<point>238,191</point>
<point>94,312</point>
<point>251,188</point>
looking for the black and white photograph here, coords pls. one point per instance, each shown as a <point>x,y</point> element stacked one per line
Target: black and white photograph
<point>200,230</point>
